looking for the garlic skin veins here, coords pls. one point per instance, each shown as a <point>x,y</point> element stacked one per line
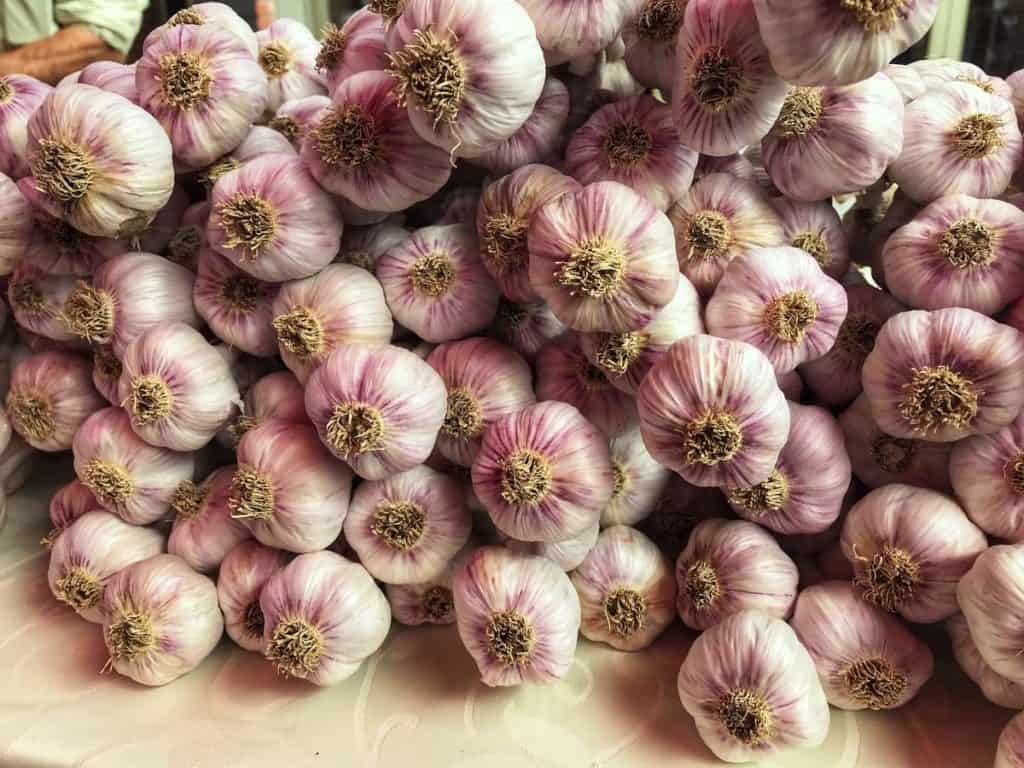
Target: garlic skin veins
<point>989,595</point>
<point>567,554</point>
<point>67,504</point>
<point>242,574</point>
<point>23,95</point>
<point>235,305</point>
<point>650,38</point>
<point>816,228</point>
<point>639,481</point>
<point>428,602</point>
<point>987,473</point>
<point>539,139</point>
<point>994,686</point>
<point>204,532</point>
<point>287,54</point>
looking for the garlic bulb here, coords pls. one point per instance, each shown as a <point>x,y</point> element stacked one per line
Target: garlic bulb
<point>106,373</point>
<point>804,493</point>
<point>128,295</point>
<point>436,284</point>
<point>626,590</point>
<point>815,227</point>
<point>470,71</point>
<point>990,597</point>
<point>258,142</point>
<point>294,118</point>
<point>752,689</point>
<point>994,686</point>
<point>288,53</point>
<point>567,554</point>
<point>539,139</point>
<point>957,139</point>
<point>834,378</point>
<point>272,220</point>
<point>485,381</point>
<point>944,375</point>
<point>407,528</point>
<point>363,246</point>
<point>1016,83</point>
<point>1010,749</point>
<point>68,503</point>
<point>602,258</point>
<point>361,404</point>
<point>288,490</point>
<point>340,305</point>
<point>204,531</point>
<point>526,327</point>
<point>91,550</point>
<point>323,615</point>
<point>20,95</point>
<point>81,175</point>
<point>160,620</point>
<point>909,547</point>
<point>568,32</point>
<point>907,81</point>
<point>987,473</point>
<point>725,94</point>
<point>128,477</point>
<point>243,573</point>
<point>778,300</point>
<point>866,659</point>
<point>357,46</point>
<point>879,458</point>
<point>730,566</point>
<point>37,298</point>
<point>363,147</point>
<point>214,14</point>
<point>175,387</point>
<point>189,238</point>
<point>459,206</point>
<point>277,395</point>
<point>935,73</point>
<point>720,218</point>
<point>633,142</point>
<point>59,249</point>
<point>16,231</point>
<point>958,252</point>
<point>711,411</point>
<point>517,615</point>
<point>50,395</point>
<point>431,601</point>
<point>815,42</point>
<point>236,306</point>
<point>543,473</point>
<point>650,38</point>
<point>640,481</point>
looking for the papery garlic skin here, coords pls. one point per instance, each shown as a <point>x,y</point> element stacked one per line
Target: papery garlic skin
<point>213,14</point>
<point>640,481</point>
<point>277,395</point>
<point>361,404</point>
<point>128,477</point>
<point>987,473</point>
<point>990,596</point>
<point>16,230</point>
<point>189,238</point>
<point>429,602</point>
<point>59,249</point>
<point>98,162</point>
<point>571,32</point>
<point>816,42</point>
<point>20,95</point>
<point>944,375</point>
<point>566,554</point>
<point>732,416</point>
<point>815,228</point>
<point>730,566</point>
<point>161,619</point>
<point>907,81</point>
<point>1010,748</point>
<point>538,139</point>
<point>725,94</point>
<point>526,327</point>
<point>89,552</point>
<point>235,305</point>
<point>935,73</point>
<point>957,140</point>
<point>357,46</point>
<point>106,373</point>
<point>294,118</point>
<point>323,615</point>
<point>68,503</point>
<point>752,689</point>
<point>650,39</point>
<point>602,258</point>
<point>287,54</point>
<point>363,246</point>
<point>909,547</point>
<point>626,589</point>
<point>866,659</point>
<point>544,473</point>
<point>994,686</point>
<point>958,252</point>
<point>204,531</point>
<point>243,573</point>
<point>37,299</point>
<point>517,615</point>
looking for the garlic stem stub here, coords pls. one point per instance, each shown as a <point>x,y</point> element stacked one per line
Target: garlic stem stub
<point>209,14</point>
<point>639,481</point>
<point>204,532</point>
<point>294,118</point>
<point>37,299</point>
<point>650,39</point>
<point>287,55</point>
<point>358,45</point>
<point>278,395</point>
<point>816,228</point>
<point>235,305</point>
<point>242,574</point>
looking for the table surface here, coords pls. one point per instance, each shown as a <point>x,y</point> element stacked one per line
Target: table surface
<point>417,702</point>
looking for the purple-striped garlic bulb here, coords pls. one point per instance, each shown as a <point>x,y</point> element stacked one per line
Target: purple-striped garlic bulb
<point>640,481</point>
<point>936,73</point>
<point>539,139</point>
<point>650,38</point>
<point>212,14</point>
<point>907,80</point>
<point>570,33</point>
<point>243,573</point>
<point>59,249</point>
<point>987,473</point>
<point>363,246</point>
<point>294,118</point>
<point>259,141</point>
<point>356,46</point>
<point>815,227</point>
<point>68,503</point>
<point>287,54</point>
<point>17,233</point>
<point>235,305</point>
<point>189,238</point>
<point>37,299</point>
<point>989,596</point>
<point>430,601</point>
<point>20,95</point>
<point>278,395</point>
<point>204,532</point>
<point>995,687</point>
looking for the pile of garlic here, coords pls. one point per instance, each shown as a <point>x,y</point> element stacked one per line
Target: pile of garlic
<point>473,312</point>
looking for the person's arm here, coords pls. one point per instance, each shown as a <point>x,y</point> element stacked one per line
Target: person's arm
<point>67,50</point>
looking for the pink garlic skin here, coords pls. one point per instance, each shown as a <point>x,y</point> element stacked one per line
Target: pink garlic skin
<point>518,196</point>
<point>580,469</point>
<point>100,544</point>
<point>816,42</point>
<point>989,354</point>
<point>737,165</point>
<point>106,382</point>
<point>410,603</point>
<point>155,237</point>
<point>538,139</point>
<point>752,223</point>
<point>838,628</point>
<point>918,273</point>
<point>340,599</point>
<point>816,218</point>
<point>990,597</point>
<point>734,378</point>
<point>301,112</point>
<point>182,606</point>
<point>661,176</point>
<point>568,32</point>
<point>936,73</point>
<point>650,58</point>
<point>907,80</point>
<point>67,504</point>
<point>310,489</point>
<point>755,652</point>
<point>154,473</point>
<point>277,395</point>
<point>495,580</point>
<point>1010,749</point>
<point>930,166</point>
<point>983,471</point>
<point>247,329</point>
<point>613,212</point>
<point>566,554</point>
<point>752,572</point>
<point>364,49</point>
<point>243,573</point>
<point>462,308</point>
<point>214,14</point>
<point>496,377</point>
<point>381,377</point>
<point>307,228</point>
<point>14,116</point>
<point>565,374</point>
<point>58,249</point>
<point>300,77</point>
<point>25,282</point>
<point>995,687</point>
<point>111,76</point>
<point>192,225</point>
<point>347,303</point>
<point>644,481</point>
<point>446,526</point>
<point>63,381</point>
<point>363,246</point>
<point>879,459</point>
<point>16,231</point>
<point>929,527</point>
<point>1016,83</point>
<point>526,327</point>
<point>260,141</point>
<point>205,539</point>
<point>733,123</point>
